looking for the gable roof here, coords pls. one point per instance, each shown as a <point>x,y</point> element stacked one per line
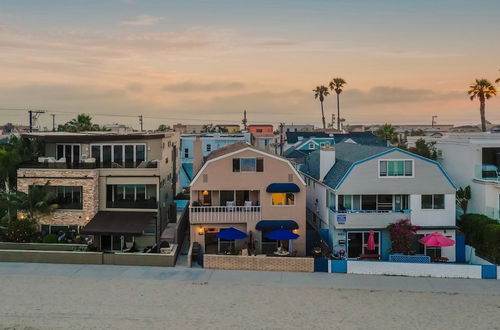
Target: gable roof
<point>346,154</point>
<point>366,138</point>
<point>228,149</point>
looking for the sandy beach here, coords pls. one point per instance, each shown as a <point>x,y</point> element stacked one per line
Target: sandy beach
<point>57,298</point>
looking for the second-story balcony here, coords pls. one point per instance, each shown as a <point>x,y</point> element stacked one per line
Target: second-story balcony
<point>487,172</point>
<point>367,219</point>
<point>89,163</point>
<point>223,214</point>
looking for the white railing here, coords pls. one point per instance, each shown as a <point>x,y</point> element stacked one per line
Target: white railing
<point>223,214</point>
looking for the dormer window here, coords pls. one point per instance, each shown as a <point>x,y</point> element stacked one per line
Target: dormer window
<point>396,168</point>
<point>311,146</point>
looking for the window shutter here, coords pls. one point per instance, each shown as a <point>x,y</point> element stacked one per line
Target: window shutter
<point>260,164</point>
<point>236,164</point>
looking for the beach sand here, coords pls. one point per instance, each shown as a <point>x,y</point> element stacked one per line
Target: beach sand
<point>63,302</point>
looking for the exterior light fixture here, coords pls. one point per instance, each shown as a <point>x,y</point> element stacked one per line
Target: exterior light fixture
<point>296,231</point>
<point>200,230</point>
<point>205,192</point>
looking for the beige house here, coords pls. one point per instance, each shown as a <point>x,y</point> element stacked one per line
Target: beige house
<point>117,187</point>
<point>251,190</point>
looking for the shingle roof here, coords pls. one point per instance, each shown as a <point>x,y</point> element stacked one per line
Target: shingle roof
<point>345,155</point>
<point>228,149</point>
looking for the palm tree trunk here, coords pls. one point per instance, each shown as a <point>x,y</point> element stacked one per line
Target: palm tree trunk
<point>323,116</point>
<point>338,111</point>
<point>482,113</point>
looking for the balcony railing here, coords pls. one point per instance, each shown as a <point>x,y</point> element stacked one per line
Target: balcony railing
<point>354,219</point>
<point>223,214</point>
<point>130,204</point>
<point>88,165</point>
<point>487,172</point>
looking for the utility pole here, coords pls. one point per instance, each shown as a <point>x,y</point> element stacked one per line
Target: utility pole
<point>433,122</point>
<point>244,121</point>
<point>281,138</point>
<point>33,116</point>
<point>141,122</point>
<point>53,122</point>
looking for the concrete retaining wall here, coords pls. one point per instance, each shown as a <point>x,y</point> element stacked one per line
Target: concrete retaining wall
<point>57,257</point>
<point>42,246</point>
<point>280,264</point>
<point>95,258</point>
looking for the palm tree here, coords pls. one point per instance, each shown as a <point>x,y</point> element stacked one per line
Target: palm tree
<point>337,85</point>
<point>81,123</point>
<point>483,90</point>
<point>321,92</point>
<point>386,132</point>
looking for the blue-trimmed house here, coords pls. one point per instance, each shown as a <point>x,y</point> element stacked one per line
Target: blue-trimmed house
<point>354,188</point>
<point>209,142</point>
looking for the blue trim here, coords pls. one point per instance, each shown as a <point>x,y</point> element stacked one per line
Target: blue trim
<point>339,266</point>
<point>388,152</point>
<point>489,272</point>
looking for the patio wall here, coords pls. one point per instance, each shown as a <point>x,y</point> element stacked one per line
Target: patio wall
<point>414,269</point>
<point>280,264</point>
<point>42,246</point>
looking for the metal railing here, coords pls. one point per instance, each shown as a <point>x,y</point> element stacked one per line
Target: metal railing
<point>487,172</point>
<point>223,214</point>
<point>88,165</point>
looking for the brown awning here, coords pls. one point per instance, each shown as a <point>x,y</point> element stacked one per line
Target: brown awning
<point>119,223</point>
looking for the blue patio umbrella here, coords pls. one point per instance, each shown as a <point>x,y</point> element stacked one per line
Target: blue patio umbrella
<point>231,233</point>
<point>282,235</point>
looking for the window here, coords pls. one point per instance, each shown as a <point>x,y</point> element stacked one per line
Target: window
<point>396,168</point>
<point>433,202</point>
<point>209,147</point>
<point>259,130</point>
<point>186,153</point>
<point>283,199</point>
<point>71,152</point>
<point>248,165</point>
<point>358,243</point>
<point>324,144</point>
<point>67,197</point>
<point>118,155</point>
<point>311,146</point>
<point>131,196</point>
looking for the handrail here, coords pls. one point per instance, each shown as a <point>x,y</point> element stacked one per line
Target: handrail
<point>370,211</point>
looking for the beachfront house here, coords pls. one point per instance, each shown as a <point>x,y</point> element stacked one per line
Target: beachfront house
<point>252,191</point>
<point>118,188</point>
<point>354,189</point>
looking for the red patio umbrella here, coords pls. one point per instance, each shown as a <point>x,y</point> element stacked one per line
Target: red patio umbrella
<point>370,245</point>
<point>437,239</point>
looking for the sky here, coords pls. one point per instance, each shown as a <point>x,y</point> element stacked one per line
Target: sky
<point>207,61</point>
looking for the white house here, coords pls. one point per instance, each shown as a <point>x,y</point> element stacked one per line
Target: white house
<point>353,189</point>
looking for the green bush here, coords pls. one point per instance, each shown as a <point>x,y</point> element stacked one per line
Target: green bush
<point>483,233</point>
<point>20,230</point>
<point>50,238</point>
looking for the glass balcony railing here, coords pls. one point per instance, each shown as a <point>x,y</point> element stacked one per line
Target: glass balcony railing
<point>88,165</point>
<point>131,204</point>
<point>492,212</point>
<point>487,172</point>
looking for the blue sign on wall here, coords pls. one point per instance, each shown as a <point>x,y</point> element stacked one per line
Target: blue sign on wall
<point>341,218</point>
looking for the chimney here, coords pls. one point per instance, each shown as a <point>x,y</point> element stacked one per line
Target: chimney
<point>197,155</point>
<point>326,161</point>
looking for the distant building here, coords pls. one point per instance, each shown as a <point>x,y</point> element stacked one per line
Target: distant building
<point>263,137</point>
<point>194,147</point>
<point>181,128</point>
<point>119,128</point>
<point>298,128</point>
<point>229,128</point>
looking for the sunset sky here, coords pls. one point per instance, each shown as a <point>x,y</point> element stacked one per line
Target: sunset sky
<point>207,61</point>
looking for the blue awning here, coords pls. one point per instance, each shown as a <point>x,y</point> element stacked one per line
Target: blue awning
<point>268,225</point>
<point>231,233</point>
<point>282,235</point>
<point>282,188</point>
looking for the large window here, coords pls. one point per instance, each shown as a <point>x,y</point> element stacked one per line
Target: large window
<point>432,202</point>
<point>283,199</point>
<point>373,202</point>
<point>67,197</point>
<point>71,152</point>
<point>396,168</point>
<point>357,244</point>
<point>131,196</point>
<point>119,155</point>
<point>248,165</point>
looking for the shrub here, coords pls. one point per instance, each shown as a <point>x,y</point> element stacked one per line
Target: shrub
<point>50,238</point>
<point>483,233</point>
<point>402,233</point>
<point>20,230</point>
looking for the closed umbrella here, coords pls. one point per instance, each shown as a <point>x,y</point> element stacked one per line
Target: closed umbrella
<point>370,245</point>
<point>437,239</point>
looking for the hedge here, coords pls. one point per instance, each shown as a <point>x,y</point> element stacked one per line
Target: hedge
<point>483,233</point>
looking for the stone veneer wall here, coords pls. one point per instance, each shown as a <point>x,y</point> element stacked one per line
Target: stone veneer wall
<point>280,264</point>
<point>88,179</point>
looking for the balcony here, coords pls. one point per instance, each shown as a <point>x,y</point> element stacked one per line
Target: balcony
<point>487,173</point>
<point>90,163</point>
<point>367,219</point>
<point>223,214</point>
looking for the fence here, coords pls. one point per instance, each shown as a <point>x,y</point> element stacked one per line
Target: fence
<point>414,269</point>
